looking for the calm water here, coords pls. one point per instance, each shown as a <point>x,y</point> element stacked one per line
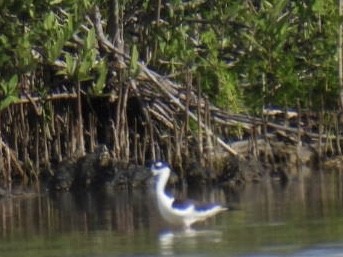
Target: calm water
<point>301,219</point>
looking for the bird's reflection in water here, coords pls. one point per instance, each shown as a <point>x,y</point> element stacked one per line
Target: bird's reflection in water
<point>190,238</point>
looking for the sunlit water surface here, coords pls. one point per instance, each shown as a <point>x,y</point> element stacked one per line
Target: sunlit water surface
<point>304,218</point>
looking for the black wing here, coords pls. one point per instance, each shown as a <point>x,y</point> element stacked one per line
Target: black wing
<point>205,207</point>
<point>182,204</point>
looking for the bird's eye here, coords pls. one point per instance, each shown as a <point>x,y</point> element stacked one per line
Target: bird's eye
<point>158,164</point>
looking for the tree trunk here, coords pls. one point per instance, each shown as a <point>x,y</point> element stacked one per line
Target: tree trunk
<point>115,30</point>
<point>340,58</point>
<point>81,147</point>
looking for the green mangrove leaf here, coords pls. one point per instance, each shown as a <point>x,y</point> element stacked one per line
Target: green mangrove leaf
<point>12,85</point>
<point>319,6</point>
<point>85,65</point>
<point>134,69</point>
<point>49,21</point>
<point>71,65</point>
<point>9,92</point>
<point>90,40</point>
<point>8,101</point>
<point>100,83</point>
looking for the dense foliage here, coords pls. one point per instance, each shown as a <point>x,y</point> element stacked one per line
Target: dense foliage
<point>243,54</point>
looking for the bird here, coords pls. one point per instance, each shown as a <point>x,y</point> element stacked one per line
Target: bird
<point>173,211</point>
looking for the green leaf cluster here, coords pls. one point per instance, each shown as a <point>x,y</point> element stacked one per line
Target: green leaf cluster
<point>244,54</point>
<point>8,91</point>
<point>82,65</point>
<point>253,53</point>
<point>35,34</point>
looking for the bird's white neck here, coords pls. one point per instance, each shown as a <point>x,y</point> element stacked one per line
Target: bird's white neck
<point>162,180</point>
<point>163,198</point>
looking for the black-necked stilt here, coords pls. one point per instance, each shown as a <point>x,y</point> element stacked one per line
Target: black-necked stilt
<point>173,211</point>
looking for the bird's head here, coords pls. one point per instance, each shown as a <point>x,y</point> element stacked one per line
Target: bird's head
<point>159,168</point>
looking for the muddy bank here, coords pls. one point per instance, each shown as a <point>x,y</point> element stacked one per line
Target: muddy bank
<point>257,161</point>
<point>272,159</point>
